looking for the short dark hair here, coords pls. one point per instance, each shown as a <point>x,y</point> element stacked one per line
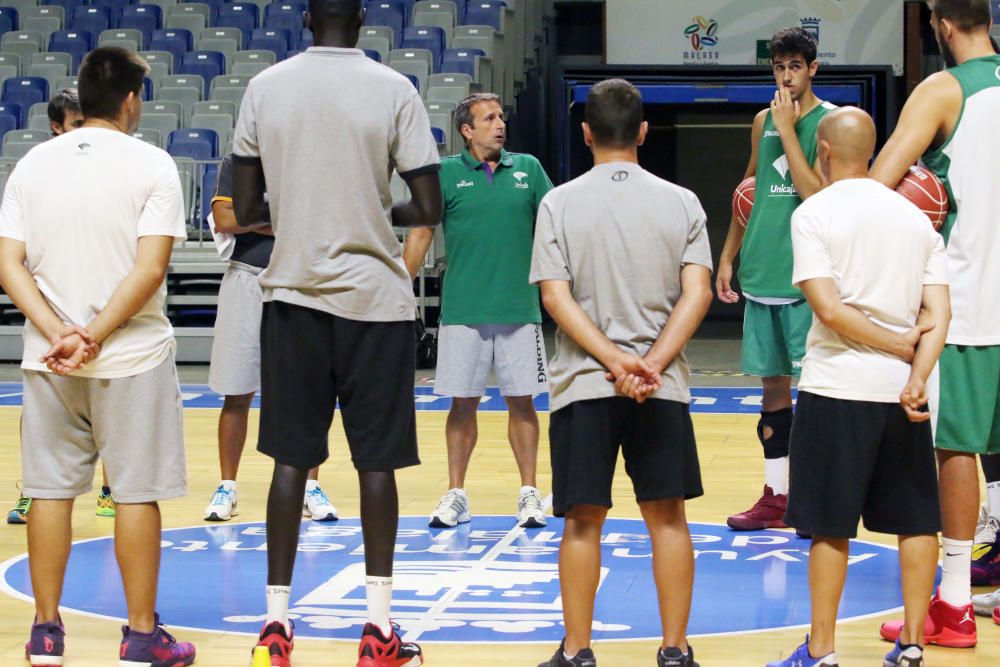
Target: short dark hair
<point>334,11</point>
<point>463,112</point>
<point>793,42</point>
<point>64,100</point>
<point>967,15</point>
<point>614,113</point>
<point>107,75</point>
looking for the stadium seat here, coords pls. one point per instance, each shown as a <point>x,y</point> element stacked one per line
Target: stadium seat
<point>268,39</point>
<point>67,82</point>
<point>67,5</point>
<point>439,135</point>
<point>114,5</point>
<point>160,63</point>
<point>254,56</point>
<point>15,110</point>
<point>206,11</point>
<point>8,19</point>
<point>390,14</point>
<point>44,26</point>
<point>442,20</point>
<point>150,136</point>
<point>9,72</point>
<point>51,58</point>
<point>430,38</point>
<point>132,39</point>
<point>22,43</point>
<point>461,60</point>
<point>285,16</point>
<point>176,42</point>
<point>228,89</point>
<point>437,7</point>
<point>209,179</point>
<point>76,44</point>
<point>39,110</point>
<point>485,12</point>
<point>378,44</point>
<point>145,18</point>
<point>25,91</point>
<point>234,34</point>
<point>193,143</point>
<point>414,79</point>
<point>380,32</point>
<point>373,54</point>
<point>162,123</point>
<point>18,142</point>
<point>448,87</point>
<point>249,69</point>
<point>90,19</point>
<point>221,123</point>
<point>242,15</point>
<point>51,72</point>
<point>210,107</point>
<point>8,122</point>
<point>184,88</point>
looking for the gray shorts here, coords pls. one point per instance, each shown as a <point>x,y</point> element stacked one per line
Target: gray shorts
<point>235,365</point>
<point>134,424</point>
<point>467,352</point>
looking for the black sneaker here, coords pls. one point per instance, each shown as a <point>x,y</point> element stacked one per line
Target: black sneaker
<point>672,657</point>
<point>585,658</point>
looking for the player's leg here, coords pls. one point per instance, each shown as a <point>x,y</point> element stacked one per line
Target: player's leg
<point>146,464</point>
<point>381,428</point>
<point>232,435</point>
<point>765,354</point>
<point>519,353</point>
<point>465,356</point>
<point>584,437</point>
<point>298,397</point>
<point>316,504</point>
<point>988,525</point>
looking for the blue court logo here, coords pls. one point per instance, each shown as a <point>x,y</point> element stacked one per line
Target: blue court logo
<point>479,583</point>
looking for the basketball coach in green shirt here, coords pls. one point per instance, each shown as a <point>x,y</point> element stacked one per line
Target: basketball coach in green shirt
<point>490,315</point>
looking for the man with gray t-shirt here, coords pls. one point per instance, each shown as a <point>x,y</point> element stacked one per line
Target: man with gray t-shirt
<point>338,301</point>
<point>624,266</point>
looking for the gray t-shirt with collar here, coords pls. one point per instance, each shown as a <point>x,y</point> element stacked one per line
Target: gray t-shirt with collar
<point>330,126</point>
<point>620,235</point>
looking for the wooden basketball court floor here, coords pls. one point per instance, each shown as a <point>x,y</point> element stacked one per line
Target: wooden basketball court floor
<point>730,459</point>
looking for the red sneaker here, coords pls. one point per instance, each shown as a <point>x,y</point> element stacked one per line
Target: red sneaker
<point>377,650</point>
<point>767,512</point>
<point>274,648</point>
<point>952,627</point>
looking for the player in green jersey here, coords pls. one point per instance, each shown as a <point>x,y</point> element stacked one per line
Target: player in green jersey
<point>777,317</point>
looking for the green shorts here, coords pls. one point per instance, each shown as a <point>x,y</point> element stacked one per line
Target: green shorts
<point>964,396</point>
<point>774,338</point>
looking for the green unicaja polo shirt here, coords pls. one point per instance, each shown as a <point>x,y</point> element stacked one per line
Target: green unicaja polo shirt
<point>488,223</point>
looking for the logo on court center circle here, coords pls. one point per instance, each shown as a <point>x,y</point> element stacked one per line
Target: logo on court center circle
<point>481,582</point>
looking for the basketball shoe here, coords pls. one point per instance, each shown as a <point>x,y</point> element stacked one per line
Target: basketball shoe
<point>996,615</point>
<point>985,570</point>
<point>46,644</point>
<point>987,527</point>
<point>952,627</point>
<point>19,514</point>
<point>106,503</point>
<point>317,506</point>
<point>377,650</point>
<point>912,656</point>
<point>223,506</point>
<point>530,513</point>
<point>800,658</point>
<point>274,647</point>
<point>672,657</point>
<point>584,658</point>
<point>154,649</point>
<point>452,509</point>
<point>985,604</point>
<point>767,512</point>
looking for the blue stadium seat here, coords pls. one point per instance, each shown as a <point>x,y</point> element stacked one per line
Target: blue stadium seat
<point>77,44</point>
<point>242,15</point>
<point>147,89</point>
<point>67,5</point>
<point>426,37</point>
<point>285,16</point>
<point>461,60</point>
<point>387,13</point>
<point>112,4</point>
<point>438,133</point>
<point>8,19</point>
<point>995,6</point>
<point>461,5</point>
<point>25,91</point>
<point>209,179</point>
<point>193,143</point>
<point>10,117</point>
<point>414,80</point>
<point>176,42</point>
<point>373,54</point>
<point>267,39</point>
<point>146,18</point>
<point>90,19</point>
<point>484,12</point>
<point>206,64</point>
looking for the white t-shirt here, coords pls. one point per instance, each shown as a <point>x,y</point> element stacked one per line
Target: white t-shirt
<point>80,202</point>
<point>880,250</point>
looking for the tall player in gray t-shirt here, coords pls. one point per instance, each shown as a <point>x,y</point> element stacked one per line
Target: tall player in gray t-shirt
<point>326,129</point>
<point>624,266</point>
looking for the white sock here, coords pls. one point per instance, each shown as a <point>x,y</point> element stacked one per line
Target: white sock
<point>776,475</point>
<point>229,485</point>
<point>311,484</point>
<point>993,498</point>
<point>956,560</point>
<point>277,605</point>
<point>528,489</point>
<point>378,592</point>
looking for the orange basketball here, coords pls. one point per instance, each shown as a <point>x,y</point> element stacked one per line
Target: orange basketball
<point>743,200</point>
<point>927,192</point>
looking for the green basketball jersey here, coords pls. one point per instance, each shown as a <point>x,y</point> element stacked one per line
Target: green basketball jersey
<point>968,164</point>
<point>766,255</point>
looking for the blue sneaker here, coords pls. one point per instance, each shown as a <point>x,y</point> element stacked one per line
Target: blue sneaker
<point>155,649</point>
<point>46,645</point>
<point>317,505</point>
<point>911,657</point>
<point>800,658</point>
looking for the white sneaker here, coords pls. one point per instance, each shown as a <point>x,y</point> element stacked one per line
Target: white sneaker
<point>317,505</point>
<point>987,527</point>
<point>530,513</point>
<point>985,604</point>
<point>452,510</point>
<point>223,505</point>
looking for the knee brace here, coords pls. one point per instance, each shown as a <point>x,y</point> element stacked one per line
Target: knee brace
<point>780,423</point>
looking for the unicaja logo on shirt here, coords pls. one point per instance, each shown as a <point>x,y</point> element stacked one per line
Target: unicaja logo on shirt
<point>781,166</point>
<point>519,176</point>
<point>464,184</point>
